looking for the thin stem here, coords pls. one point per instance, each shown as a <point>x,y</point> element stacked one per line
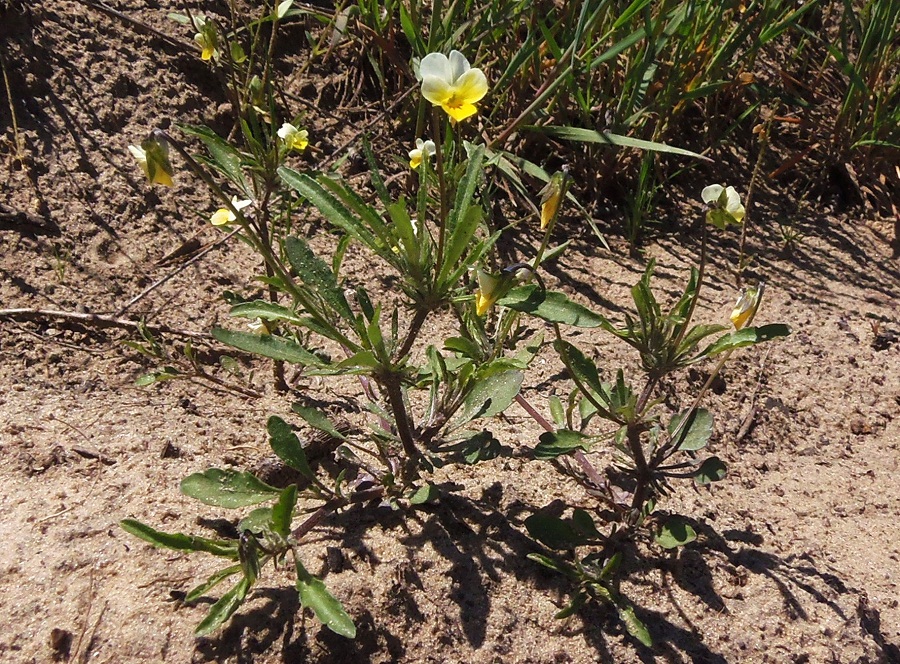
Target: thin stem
<point>414,327</point>
<point>332,506</point>
<point>442,184</point>
<point>586,466</point>
<point>754,178</point>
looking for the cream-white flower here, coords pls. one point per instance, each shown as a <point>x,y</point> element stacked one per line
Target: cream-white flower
<point>294,139</point>
<point>224,216</point>
<point>422,150</point>
<point>452,84</point>
<point>725,199</point>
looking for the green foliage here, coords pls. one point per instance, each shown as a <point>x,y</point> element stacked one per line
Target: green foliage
<point>640,71</point>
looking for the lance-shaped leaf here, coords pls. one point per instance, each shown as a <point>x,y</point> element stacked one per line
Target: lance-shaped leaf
<point>551,306</point>
<point>317,276</point>
<point>211,582</point>
<point>317,420</point>
<point>267,345</point>
<point>314,595</point>
<point>283,511</point>
<point>747,337</point>
<point>224,608</point>
<point>179,541</point>
<point>223,157</point>
<point>267,311</point>
<point>606,138</point>
<point>226,488</point>
<point>330,207</point>
<point>633,624</point>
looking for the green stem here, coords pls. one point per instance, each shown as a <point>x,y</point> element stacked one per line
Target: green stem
<point>394,393</point>
<point>442,184</point>
<point>701,272</point>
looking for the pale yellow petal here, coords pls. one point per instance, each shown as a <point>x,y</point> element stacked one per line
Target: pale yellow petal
<point>436,90</point>
<point>221,217</point>
<point>471,86</point>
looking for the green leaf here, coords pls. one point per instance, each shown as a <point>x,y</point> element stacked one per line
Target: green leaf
<point>481,447</point>
<point>551,563</point>
<point>224,157</point>
<point>266,311</point>
<point>179,541</point>
<point>224,608</point>
<point>283,511</point>
<point>258,521</point>
<point>711,470</point>
<point>330,207</point>
<point>166,373</point>
<point>553,532</point>
<point>551,306</point>
<point>314,595</point>
<point>633,624</point>
<point>428,493</point>
<point>317,420</point>
<point>578,600</point>
<point>287,447</point>
<point>675,532</point>
<point>316,275</point>
<point>695,434</point>
<point>556,443</point>
<point>227,488</point>
<point>747,337</point>
<point>267,345</point>
<point>584,524</point>
<point>460,239</point>
<point>606,138</point>
<point>585,372</point>
<point>463,346</point>
<point>491,395</point>
<point>211,582</point>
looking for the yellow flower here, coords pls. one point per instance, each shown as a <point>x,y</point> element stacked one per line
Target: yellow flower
<point>423,149</point>
<point>452,84</point>
<point>206,38</point>
<point>153,158</point>
<point>726,204</point>
<point>551,195</point>
<point>492,287</point>
<point>224,216</point>
<point>488,292</point>
<point>746,306</point>
<point>294,139</point>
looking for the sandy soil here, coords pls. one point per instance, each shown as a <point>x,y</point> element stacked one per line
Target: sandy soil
<point>797,559</point>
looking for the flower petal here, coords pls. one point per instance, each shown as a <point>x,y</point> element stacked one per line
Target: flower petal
<point>460,112</point>
<point>435,65</point>
<point>221,217</point>
<point>471,86</point>
<point>458,65</point>
<point>436,90</point>
<point>711,193</point>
